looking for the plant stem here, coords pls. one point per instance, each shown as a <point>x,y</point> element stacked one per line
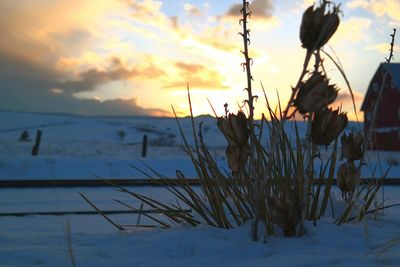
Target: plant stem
<point>310,151</point>
<point>368,136</point>
<point>341,70</point>
<point>280,129</point>
<point>246,41</point>
<point>309,175</point>
<point>368,139</point>
<point>250,102</point>
<point>296,88</point>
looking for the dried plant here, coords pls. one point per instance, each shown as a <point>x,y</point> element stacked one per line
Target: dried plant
<point>327,126</point>
<point>318,26</point>
<point>235,129</point>
<point>347,177</point>
<point>352,146</point>
<point>315,93</point>
<point>24,137</point>
<point>359,153</point>
<point>276,184</point>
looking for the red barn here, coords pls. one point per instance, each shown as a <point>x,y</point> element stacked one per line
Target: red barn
<point>386,131</point>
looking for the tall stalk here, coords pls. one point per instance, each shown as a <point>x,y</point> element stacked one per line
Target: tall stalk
<point>368,138</point>
<point>250,102</point>
<point>248,60</point>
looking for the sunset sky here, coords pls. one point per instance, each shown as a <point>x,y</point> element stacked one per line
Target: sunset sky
<point>128,57</point>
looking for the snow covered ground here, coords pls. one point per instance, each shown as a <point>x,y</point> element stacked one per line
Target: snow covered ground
<point>81,147</point>
<point>42,240</point>
<point>76,147</point>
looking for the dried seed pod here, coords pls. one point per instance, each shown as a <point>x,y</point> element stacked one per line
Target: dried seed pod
<point>226,129</point>
<point>286,212</point>
<point>318,25</point>
<point>239,126</point>
<point>237,157</point>
<point>315,93</point>
<point>352,146</point>
<point>347,177</point>
<point>234,128</point>
<point>236,132</point>
<point>327,125</point>
<point>233,156</point>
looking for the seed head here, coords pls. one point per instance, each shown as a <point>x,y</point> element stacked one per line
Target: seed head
<point>286,212</point>
<point>352,146</point>
<point>315,93</point>
<point>327,125</point>
<point>347,177</point>
<point>237,157</point>
<point>234,128</point>
<point>318,25</point>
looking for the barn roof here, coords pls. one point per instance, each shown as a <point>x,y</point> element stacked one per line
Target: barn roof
<point>394,71</point>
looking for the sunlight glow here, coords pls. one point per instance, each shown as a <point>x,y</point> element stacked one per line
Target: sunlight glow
<point>145,51</point>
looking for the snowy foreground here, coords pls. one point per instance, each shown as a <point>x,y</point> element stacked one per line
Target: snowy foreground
<point>82,147</point>
<point>42,240</point>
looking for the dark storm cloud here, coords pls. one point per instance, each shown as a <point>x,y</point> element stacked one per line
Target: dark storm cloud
<point>260,9</point>
<point>90,79</point>
<point>34,36</point>
<point>25,86</point>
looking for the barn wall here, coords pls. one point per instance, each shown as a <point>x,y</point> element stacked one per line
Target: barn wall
<point>388,115</point>
<point>388,141</point>
<point>388,111</point>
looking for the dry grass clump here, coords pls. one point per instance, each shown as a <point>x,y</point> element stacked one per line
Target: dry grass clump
<point>275,185</point>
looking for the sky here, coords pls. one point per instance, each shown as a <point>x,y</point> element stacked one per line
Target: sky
<point>136,57</point>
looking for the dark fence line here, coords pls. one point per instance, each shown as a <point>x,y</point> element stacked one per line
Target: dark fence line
<point>90,212</point>
<point>131,182</point>
<point>91,183</point>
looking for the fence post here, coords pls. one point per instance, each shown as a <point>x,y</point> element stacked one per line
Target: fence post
<point>144,146</point>
<point>35,149</point>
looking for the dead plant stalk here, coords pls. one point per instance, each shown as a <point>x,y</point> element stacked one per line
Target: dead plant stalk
<point>381,89</point>
<point>250,101</point>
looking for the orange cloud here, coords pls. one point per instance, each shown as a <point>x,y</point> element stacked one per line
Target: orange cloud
<point>345,101</point>
<point>198,76</point>
<point>107,46</point>
<point>116,70</point>
<point>39,31</point>
<point>345,97</point>
<point>216,35</point>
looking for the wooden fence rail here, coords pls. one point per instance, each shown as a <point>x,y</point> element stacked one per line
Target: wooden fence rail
<point>83,212</point>
<point>89,183</point>
<point>127,182</point>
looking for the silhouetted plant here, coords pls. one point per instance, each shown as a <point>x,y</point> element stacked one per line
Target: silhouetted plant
<point>24,137</point>
<point>274,184</point>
